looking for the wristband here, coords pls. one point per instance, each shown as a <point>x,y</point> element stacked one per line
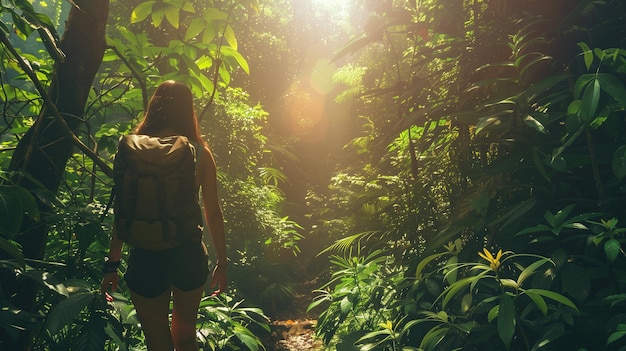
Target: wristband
<point>110,266</point>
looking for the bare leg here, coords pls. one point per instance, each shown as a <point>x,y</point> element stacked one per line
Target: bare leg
<point>184,316</point>
<point>154,317</point>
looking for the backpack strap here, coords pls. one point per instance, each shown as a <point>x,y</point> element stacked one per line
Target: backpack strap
<point>193,146</point>
<point>108,206</point>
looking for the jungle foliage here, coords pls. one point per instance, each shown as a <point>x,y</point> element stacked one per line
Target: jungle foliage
<point>479,207</point>
<point>483,207</point>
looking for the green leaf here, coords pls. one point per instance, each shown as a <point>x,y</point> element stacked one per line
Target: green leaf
<point>66,311</point>
<point>157,17</point>
<point>613,86</point>
<point>247,338</point>
<point>581,83</point>
<point>618,163</point>
<point>230,53</point>
<point>576,281</point>
<point>551,332</point>
<point>188,7</point>
<point>11,211</point>
<point>493,313</point>
<point>509,283</point>
<point>13,317</point>
<point>208,35</point>
<point>453,289</point>
<point>224,75</point>
<point>539,302</point>
<point>86,233</point>
<point>345,305</point>
<point>466,303</point>
<point>422,264</point>
<point>539,161</point>
<point>92,336</point>
<point>619,333</point>
<point>451,272</point>
<point>573,109</point>
<point>212,14</point>
<point>612,248</point>
<point>615,336</point>
<point>528,271</point>
<point>554,296</point>
<point>506,320</point>
<point>47,279</point>
<point>21,27</point>
<point>433,337</point>
<point>587,54</point>
<point>589,104</point>
<point>196,26</point>
<point>141,12</point>
<point>172,15</point>
<point>229,35</point>
<point>535,124</point>
<point>374,334</point>
<point>13,251</point>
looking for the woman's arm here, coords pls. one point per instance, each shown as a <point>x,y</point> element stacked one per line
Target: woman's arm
<point>111,278</point>
<point>213,217</point>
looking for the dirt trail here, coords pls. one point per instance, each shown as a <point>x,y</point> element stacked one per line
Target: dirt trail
<point>294,328</point>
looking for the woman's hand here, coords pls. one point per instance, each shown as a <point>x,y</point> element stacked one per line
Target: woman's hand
<point>109,282</point>
<point>219,279</point>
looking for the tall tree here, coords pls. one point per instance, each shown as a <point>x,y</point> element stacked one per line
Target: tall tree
<point>45,149</point>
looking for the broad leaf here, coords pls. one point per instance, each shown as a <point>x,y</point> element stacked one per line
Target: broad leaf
<point>618,163</point>
<point>345,305</point>
<point>590,99</point>
<point>196,26</point>
<point>539,302</point>
<point>506,320</point>
<point>422,264</point>
<point>587,54</point>
<point>612,248</point>
<point>554,296</point>
<point>535,124</point>
<point>613,86</point>
<point>229,54</point>
<point>172,14</point>
<point>11,211</point>
<point>141,12</point>
<point>528,271</point>
<point>66,311</point>
<point>229,35</point>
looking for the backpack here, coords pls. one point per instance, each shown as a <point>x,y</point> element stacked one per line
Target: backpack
<point>156,202</point>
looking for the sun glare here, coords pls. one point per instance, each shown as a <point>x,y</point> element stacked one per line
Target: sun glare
<point>338,8</point>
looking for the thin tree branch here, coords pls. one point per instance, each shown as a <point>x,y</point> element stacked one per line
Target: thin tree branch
<point>218,60</point>
<point>135,73</point>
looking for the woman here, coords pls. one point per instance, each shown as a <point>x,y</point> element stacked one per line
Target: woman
<point>155,277</point>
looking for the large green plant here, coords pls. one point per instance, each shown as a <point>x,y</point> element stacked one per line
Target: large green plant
<point>488,123</point>
<point>357,299</point>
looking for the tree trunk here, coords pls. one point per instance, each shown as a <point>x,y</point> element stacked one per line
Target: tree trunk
<point>44,150</point>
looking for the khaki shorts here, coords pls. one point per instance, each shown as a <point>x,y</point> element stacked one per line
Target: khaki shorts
<point>151,273</point>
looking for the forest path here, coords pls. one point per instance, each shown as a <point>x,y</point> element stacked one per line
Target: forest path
<point>293,329</point>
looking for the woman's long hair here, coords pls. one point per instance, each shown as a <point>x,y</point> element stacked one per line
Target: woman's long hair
<point>171,107</point>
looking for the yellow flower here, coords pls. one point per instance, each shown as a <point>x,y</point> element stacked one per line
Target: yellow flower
<point>387,325</point>
<point>494,262</point>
